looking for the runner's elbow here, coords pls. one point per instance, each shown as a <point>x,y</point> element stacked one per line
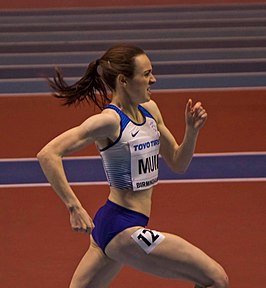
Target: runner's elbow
<point>44,154</point>
<point>41,155</point>
<point>179,169</point>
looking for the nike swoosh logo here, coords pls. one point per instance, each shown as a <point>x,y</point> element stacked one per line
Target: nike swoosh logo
<point>134,134</point>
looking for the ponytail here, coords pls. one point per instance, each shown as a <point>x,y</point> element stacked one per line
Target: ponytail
<point>90,87</point>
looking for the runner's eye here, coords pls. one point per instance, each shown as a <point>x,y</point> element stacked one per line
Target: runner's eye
<point>147,73</point>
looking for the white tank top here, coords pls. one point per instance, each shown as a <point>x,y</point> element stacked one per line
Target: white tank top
<point>131,162</point>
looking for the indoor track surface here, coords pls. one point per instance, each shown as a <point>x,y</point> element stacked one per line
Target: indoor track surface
<point>218,205</point>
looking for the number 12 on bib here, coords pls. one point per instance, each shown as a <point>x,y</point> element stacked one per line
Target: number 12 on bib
<point>147,239</point>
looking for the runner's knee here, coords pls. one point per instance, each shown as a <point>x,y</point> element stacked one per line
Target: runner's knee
<point>81,283</point>
<point>78,282</point>
<point>221,280</point>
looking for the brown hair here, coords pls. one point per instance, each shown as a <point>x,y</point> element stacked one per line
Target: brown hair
<point>100,75</point>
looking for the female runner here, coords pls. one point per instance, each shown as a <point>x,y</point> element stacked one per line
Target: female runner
<point>130,134</point>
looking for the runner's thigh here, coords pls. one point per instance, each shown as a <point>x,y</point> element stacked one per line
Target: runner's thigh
<point>174,257</point>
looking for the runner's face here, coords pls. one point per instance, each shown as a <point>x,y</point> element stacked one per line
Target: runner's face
<point>138,87</point>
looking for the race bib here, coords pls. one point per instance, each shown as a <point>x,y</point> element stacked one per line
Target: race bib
<point>144,162</point>
<point>147,239</point>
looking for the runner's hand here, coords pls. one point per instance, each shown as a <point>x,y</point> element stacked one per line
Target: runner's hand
<point>196,115</point>
<point>80,220</point>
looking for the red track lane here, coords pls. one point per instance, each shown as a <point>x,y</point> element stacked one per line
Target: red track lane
<point>227,220</point>
<point>236,120</point>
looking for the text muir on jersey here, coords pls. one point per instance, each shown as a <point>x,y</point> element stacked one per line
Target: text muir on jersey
<point>149,164</point>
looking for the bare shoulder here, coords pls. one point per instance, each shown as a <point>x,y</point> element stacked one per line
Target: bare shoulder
<point>152,107</point>
<point>111,115</point>
<point>104,124</point>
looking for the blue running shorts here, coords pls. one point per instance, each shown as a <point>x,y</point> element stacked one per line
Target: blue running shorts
<point>112,219</point>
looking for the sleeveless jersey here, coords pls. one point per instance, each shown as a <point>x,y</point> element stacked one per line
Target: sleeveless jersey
<point>131,162</point>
